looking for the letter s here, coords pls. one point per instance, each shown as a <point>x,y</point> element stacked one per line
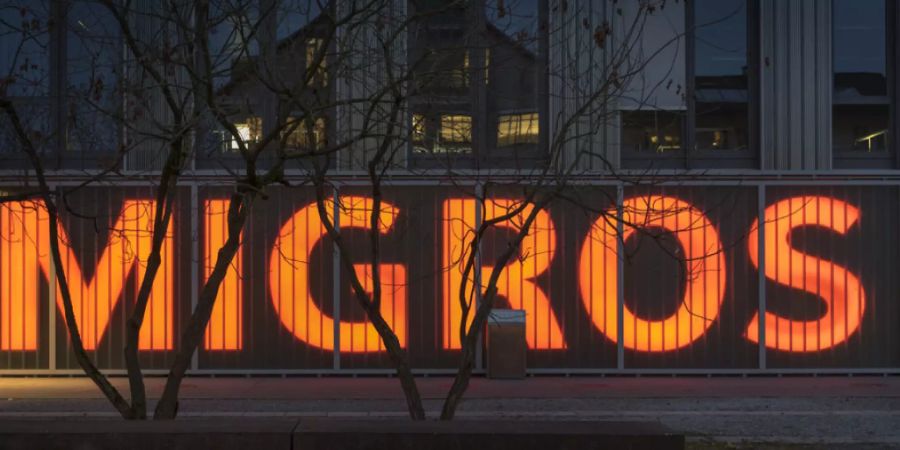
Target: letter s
<point>840,289</point>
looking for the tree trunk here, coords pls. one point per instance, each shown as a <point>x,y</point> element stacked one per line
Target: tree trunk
<point>467,359</point>
<point>165,199</point>
<point>373,312</point>
<point>109,391</point>
<point>167,407</point>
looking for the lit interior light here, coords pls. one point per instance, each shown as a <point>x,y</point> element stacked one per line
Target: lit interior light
<point>870,138</point>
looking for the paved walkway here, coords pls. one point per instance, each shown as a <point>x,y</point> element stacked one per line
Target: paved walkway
<point>380,388</point>
<point>810,411</point>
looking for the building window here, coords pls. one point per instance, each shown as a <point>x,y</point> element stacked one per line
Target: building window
<point>293,16</point>
<point>690,104</point>
<point>250,131</point>
<point>462,79</point>
<point>464,70</point>
<point>318,71</point>
<point>455,134</point>
<point>94,53</point>
<point>303,138</point>
<point>861,103</point>
<point>24,54</point>
<point>470,72</point>
<point>720,75</point>
<point>652,131</point>
<point>25,73</point>
<point>514,129</point>
<point>419,129</point>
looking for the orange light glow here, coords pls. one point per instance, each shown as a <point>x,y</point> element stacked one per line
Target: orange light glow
<point>28,250</point>
<point>706,270</point>
<point>840,289</point>
<point>23,229</point>
<point>289,279</point>
<point>224,331</point>
<point>517,283</point>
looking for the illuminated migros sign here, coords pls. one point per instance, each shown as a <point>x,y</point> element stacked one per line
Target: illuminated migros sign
<point>280,290</point>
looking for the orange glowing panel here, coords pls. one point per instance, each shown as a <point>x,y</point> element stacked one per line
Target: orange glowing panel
<point>362,336</point>
<point>517,283</point>
<point>839,289</point>
<point>129,245</point>
<point>289,279</point>
<point>22,239</point>
<point>703,256</point>
<point>224,331</point>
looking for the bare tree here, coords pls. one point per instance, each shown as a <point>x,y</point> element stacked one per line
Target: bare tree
<point>539,184</point>
<point>190,56</point>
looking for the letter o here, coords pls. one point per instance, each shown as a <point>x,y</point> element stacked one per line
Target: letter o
<point>704,257</point>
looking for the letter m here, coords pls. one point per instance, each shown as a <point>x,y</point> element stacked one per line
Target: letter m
<point>25,254</point>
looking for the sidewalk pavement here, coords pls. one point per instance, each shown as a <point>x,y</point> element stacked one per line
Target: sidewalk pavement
<point>714,411</point>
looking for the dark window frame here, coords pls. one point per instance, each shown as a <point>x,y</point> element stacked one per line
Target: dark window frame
<point>843,158</point>
<point>689,157</point>
<point>58,154</point>
<point>215,157</point>
<point>484,152</point>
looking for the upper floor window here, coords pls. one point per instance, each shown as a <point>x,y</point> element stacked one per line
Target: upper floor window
<point>515,129</point>
<point>94,53</point>
<point>689,104</point>
<point>72,106</point>
<point>316,62</point>
<point>720,75</point>
<point>419,133</point>
<point>455,134</point>
<point>293,15</point>
<point>861,113</point>
<point>24,57</point>
<point>24,70</point>
<point>250,131</point>
<point>479,87</point>
<point>262,58</point>
<point>306,137</point>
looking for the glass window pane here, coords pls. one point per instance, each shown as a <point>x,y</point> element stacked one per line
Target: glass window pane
<point>24,70</point>
<point>250,86</point>
<point>24,52</point>
<point>652,101</point>
<point>455,134</point>
<point>302,138</point>
<point>316,62</point>
<point>419,130</point>
<point>293,15</point>
<point>720,74</point>
<point>860,115</point>
<point>233,40</point>
<point>517,19</point>
<point>517,129</point>
<point>94,58</point>
<point>480,68</point>
<point>511,72</point>
<point>250,131</point>
<point>651,131</point>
